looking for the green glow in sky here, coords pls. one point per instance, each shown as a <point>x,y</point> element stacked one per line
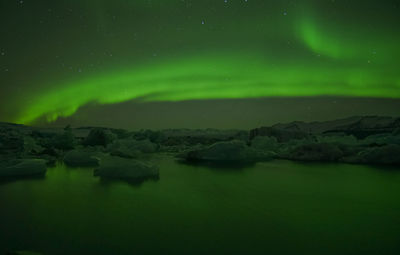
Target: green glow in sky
<point>345,43</point>
<point>208,77</point>
<point>157,50</point>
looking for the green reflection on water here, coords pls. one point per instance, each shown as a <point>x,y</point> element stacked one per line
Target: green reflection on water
<point>278,207</point>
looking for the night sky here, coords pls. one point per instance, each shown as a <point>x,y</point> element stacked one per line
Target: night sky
<point>197,63</point>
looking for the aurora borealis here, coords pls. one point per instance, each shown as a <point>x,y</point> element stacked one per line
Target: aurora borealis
<point>58,56</point>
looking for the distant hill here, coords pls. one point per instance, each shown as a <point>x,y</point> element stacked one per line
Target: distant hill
<point>359,126</point>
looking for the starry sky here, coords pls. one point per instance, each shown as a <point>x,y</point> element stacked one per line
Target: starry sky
<point>197,63</point>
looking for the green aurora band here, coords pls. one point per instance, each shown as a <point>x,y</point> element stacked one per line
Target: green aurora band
<point>213,77</point>
<point>343,63</point>
<point>348,44</point>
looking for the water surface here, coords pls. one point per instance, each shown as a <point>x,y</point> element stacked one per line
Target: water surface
<point>278,207</point>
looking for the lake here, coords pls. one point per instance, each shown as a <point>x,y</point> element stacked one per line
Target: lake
<point>277,207</point>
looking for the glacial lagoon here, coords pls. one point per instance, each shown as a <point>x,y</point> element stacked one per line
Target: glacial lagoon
<point>276,207</point>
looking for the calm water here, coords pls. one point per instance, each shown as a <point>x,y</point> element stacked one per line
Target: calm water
<point>278,207</point>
